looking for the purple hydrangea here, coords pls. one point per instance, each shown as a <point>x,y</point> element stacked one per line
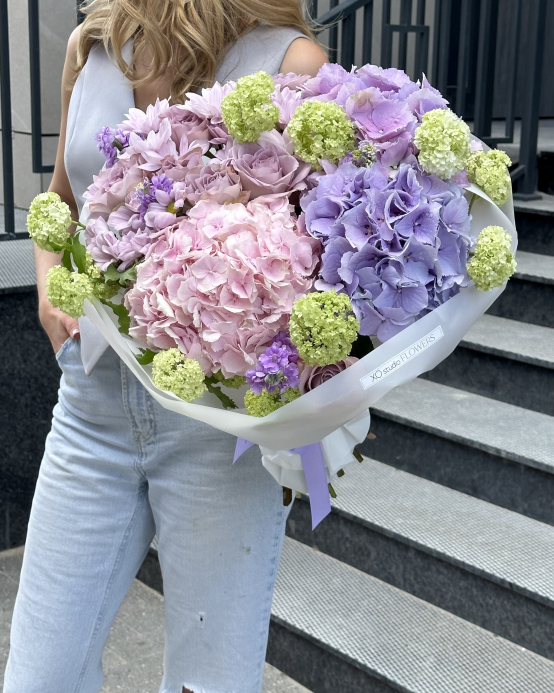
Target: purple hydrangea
<point>397,246</point>
<point>276,368</point>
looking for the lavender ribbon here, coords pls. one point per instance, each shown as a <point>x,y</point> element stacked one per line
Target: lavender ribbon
<point>313,465</point>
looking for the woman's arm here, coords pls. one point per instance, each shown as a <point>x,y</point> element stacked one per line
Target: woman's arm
<point>58,325</point>
<point>303,57</point>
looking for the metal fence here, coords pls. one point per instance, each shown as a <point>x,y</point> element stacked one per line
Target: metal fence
<point>458,49</point>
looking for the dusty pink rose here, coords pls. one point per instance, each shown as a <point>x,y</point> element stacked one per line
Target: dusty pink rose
<point>267,167</point>
<point>314,376</point>
<point>111,186</point>
<point>215,182</point>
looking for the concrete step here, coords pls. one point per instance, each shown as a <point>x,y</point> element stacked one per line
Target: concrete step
<point>504,359</point>
<point>529,295</point>
<point>134,653</point>
<point>488,565</point>
<point>535,224</point>
<point>336,628</point>
<point>495,451</point>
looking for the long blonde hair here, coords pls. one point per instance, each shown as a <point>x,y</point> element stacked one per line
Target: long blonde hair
<point>188,36</point>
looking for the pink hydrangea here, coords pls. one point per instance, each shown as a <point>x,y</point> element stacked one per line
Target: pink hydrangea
<point>223,281</point>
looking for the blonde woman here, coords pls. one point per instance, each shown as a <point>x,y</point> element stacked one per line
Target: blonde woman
<point>119,469</point>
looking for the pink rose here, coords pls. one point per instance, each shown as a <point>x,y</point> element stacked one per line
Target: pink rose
<point>215,182</point>
<point>267,167</point>
<point>314,376</point>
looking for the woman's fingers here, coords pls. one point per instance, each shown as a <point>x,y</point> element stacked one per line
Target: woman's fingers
<point>71,326</point>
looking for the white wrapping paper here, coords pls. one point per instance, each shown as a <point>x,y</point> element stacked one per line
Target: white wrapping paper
<point>336,412</point>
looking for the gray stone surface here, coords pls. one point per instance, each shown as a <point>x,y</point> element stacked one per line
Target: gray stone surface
<point>410,645</point>
<point>506,547</point>
<point>512,339</point>
<point>461,466</point>
<point>134,652</point>
<point>535,267</point>
<point>17,267</point>
<point>467,556</point>
<point>502,429</point>
<point>526,300</point>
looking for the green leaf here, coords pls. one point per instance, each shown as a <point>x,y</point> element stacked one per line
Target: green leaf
<point>216,390</point>
<point>112,275</point>
<point>145,357</point>
<point>122,313</point>
<point>79,253</point>
<point>66,260</point>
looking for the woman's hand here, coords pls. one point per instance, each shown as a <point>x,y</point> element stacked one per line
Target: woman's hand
<point>57,325</point>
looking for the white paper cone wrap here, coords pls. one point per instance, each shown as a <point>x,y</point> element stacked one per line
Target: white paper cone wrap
<point>334,413</point>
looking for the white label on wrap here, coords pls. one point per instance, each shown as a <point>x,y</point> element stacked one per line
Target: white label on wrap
<point>400,359</point>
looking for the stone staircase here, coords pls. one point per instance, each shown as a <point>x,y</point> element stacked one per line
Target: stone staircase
<point>435,570</point>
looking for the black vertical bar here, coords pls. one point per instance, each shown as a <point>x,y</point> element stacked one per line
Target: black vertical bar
<point>527,185</point>
<point>443,45</point>
<point>367,32</point>
<point>348,40</point>
<point>5,96</point>
<point>463,56</point>
<point>510,113</point>
<point>386,36</point>
<point>81,16</point>
<point>420,13</point>
<point>406,20</point>
<point>422,42</point>
<point>334,35</point>
<point>36,106</point>
<point>486,58</point>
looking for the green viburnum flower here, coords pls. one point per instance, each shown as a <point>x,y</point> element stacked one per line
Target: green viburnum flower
<point>323,327</point>
<point>235,382</point>
<point>493,261</point>
<point>443,142</point>
<point>489,170</point>
<point>100,287</point>
<point>175,372</point>
<point>321,130</point>
<point>248,110</point>
<point>68,290</point>
<point>267,402</point>
<point>48,221</point>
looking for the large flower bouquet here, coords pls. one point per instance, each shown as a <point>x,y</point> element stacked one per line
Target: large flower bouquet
<point>288,247</point>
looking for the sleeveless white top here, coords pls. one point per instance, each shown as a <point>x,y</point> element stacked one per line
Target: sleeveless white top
<point>102,95</point>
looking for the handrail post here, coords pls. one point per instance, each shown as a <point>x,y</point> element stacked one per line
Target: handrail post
<point>527,183</point>
<point>7,143</point>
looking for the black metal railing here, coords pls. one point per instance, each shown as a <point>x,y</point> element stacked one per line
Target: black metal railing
<point>457,47</point>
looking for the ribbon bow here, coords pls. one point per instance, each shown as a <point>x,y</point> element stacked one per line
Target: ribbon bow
<point>313,465</point>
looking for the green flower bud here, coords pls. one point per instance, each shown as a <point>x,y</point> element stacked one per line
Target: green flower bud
<point>248,110</point>
<point>443,142</point>
<point>489,170</point>
<point>48,221</point>
<point>323,327</point>
<point>174,372</point>
<point>68,290</point>
<point>321,130</point>
<point>493,261</point>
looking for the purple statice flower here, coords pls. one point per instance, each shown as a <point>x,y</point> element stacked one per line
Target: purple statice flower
<point>110,142</point>
<point>276,368</point>
<point>147,194</point>
<point>105,138</point>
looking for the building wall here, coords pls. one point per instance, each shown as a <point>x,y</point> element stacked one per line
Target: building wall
<point>57,20</point>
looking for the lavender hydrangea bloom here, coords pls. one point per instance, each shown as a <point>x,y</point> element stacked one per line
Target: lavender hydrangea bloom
<point>398,247</point>
<point>276,368</point>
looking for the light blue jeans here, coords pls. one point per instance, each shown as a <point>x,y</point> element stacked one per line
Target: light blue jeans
<point>117,469</point>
